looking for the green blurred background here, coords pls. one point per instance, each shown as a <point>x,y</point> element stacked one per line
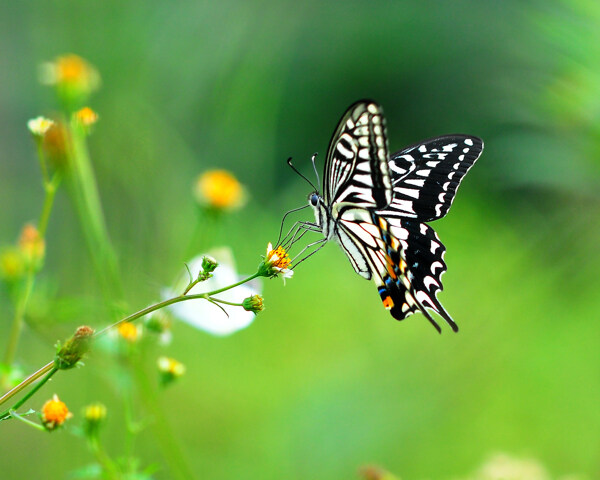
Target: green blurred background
<point>324,380</point>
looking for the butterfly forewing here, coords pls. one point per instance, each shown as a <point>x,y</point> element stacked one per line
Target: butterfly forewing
<point>425,176</point>
<point>356,168</point>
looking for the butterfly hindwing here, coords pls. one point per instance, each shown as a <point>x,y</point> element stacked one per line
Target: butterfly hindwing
<point>356,167</point>
<point>405,259</point>
<point>426,176</point>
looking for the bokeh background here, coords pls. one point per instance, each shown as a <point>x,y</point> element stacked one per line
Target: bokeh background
<point>324,380</point>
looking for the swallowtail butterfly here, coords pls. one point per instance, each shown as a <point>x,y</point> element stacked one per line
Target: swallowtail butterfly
<point>376,205</point>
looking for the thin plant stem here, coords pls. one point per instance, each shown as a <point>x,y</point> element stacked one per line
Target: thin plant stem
<point>89,208</point>
<point>103,459</point>
<point>50,187</point>
<point>32,392</point>
<point>218,300</point>
<point>17,324</point>
<point>168,440</point>
<point>16,416</point>
<point>28,381</point>
<point>171,301</point>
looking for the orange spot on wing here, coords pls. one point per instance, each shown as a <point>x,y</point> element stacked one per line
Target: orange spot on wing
<point>388,302</point>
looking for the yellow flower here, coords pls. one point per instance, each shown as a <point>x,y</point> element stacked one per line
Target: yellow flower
<point>86,117</point>
<point>54,413</point>
<point>276,263</point>
<point>94,415</point>
<point>32,245</point>
<point>70,71</point>
<point>170,369</point>
<point>39,126</point>
<point>12,264</point>
<point>220,190</point>
<point>129,331</point>
<point>95,412</point>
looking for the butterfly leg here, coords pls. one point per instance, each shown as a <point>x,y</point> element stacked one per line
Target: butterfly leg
<point>321,244</point>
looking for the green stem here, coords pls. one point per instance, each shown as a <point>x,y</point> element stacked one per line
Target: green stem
<point>51,187</point>
<point>89,208</point>
<point>17,324</point>
<point>103,459</point>
<point>218,300</point>
<point>42,159</point>
<point>32,392</point>
<point>16,416</point>
<point>171,301</point>
<point>172,450</point>
<point>28,381</point>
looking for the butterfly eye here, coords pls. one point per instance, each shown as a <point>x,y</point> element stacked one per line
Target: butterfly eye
<point>314,199</point>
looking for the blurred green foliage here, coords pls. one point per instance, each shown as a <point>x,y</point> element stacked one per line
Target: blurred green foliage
<point>324,380</point>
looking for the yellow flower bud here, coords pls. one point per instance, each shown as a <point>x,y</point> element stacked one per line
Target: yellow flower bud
<point>54,413</point>
<point>86,117</point>
<point>74,78</point>
<point>219,190</point>
<point>94,416</point>
<point>12,264</point>
<point>129,331</point>
<point>253,304</point>
<point>32,246</point>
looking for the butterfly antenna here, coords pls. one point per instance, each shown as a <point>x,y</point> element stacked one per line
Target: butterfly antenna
<point>313,159</point>
<point>289,162</point>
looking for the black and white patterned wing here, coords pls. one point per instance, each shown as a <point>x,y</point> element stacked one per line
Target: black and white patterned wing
<point>404,257</point>
<point>356,167</point>
<point>424,255</point>
<point>425,176</point>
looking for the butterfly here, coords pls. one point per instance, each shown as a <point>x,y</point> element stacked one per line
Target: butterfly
<point>376,205</point>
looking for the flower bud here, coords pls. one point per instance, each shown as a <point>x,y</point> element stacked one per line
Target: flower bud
<point>158,322</point>
<point>86,117</point>
<point>54,413</point>
<point>129,331</point>
<point>253,304</point>
<point>32,246</point>
<point>74,348</point>
<point>169,369</point>
<point>209,264</point>
<point>12,264</point>
<point>74,78</point>
<point>94,416</point>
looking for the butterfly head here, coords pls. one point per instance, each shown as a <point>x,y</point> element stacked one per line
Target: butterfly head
<point>316,201</point>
